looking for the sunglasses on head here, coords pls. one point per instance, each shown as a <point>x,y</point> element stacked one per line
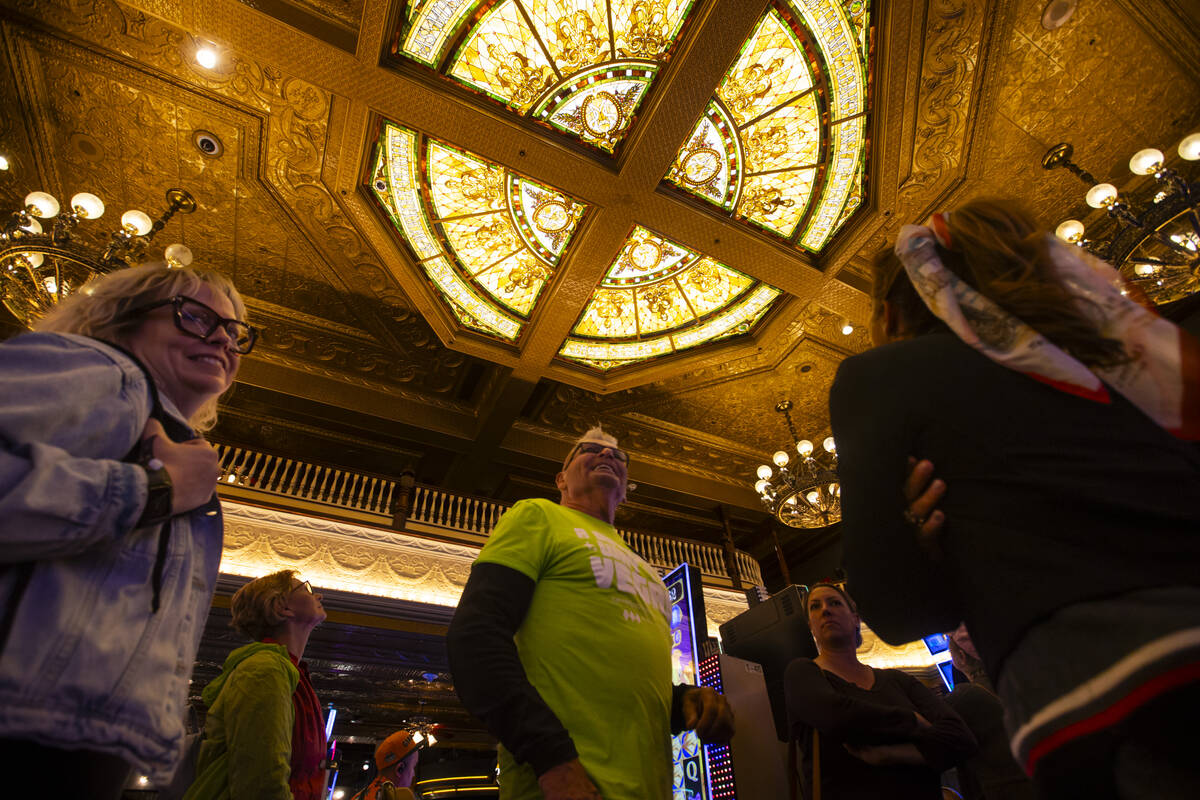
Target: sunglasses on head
<point>196,319</point>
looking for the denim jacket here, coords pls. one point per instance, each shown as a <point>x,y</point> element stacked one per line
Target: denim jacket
<point>87,663</point>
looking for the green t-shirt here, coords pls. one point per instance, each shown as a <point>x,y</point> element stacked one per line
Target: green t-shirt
<point>596,644</point>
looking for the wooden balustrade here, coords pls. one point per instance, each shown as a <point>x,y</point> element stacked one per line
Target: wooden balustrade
<point>254,472</point>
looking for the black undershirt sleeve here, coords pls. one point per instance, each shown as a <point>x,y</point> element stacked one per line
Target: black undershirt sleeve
<point>488,675</point>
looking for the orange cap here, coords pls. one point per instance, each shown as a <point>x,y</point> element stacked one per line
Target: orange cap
<point>394,748</point>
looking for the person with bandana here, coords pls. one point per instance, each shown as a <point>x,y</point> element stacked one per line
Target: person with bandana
<point>1062,417</point>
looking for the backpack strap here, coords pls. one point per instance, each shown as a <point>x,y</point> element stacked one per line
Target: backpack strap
<point>141,453</point>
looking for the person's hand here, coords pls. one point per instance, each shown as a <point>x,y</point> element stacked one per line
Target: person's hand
<point>921,721</point>
<point>708,713</point>
<point>568,781</point>
<point>923,493</point>
<point>194,467</point>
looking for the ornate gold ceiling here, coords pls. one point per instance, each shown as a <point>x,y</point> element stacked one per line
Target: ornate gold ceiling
<point>360,345</point>
<point>780,146</point>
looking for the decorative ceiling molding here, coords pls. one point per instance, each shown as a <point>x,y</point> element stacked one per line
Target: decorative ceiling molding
<point>371,561</point>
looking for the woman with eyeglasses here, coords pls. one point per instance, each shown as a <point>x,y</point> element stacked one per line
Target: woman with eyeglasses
<point>110,527</point>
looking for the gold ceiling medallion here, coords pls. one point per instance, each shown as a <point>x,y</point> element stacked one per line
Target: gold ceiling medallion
<point>658,300</point>
<point>766,144</point>
<point>699,166</point>
<point>603,116</point>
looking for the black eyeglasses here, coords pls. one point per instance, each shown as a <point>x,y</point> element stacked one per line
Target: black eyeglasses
<point>196,319</point>
<point>595,448</point>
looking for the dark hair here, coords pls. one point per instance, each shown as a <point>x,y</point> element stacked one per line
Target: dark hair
<point>858,640</point>
<point>998,249</point>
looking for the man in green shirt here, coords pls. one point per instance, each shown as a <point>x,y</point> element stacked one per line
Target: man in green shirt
<point>561,645</point>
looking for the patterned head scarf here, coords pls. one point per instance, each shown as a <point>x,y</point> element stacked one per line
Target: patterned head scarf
<point>1162,377</point>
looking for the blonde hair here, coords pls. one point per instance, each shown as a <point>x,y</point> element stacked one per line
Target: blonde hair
<point>100,309</point>
<point>255,606</point>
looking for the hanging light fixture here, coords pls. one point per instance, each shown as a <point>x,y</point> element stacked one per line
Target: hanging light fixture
<point>39,267</point>
<point>1156,244</point>
<point>806,495</point>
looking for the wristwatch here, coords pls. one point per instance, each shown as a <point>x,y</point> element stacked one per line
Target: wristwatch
<point>158,494</point>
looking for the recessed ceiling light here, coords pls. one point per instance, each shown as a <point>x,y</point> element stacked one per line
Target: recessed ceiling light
<point>206,56</point>
<point>1056,13</point>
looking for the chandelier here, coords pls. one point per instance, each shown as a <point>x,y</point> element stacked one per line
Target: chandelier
<point>808,495</point>
<point>39,267</point>
<point>1155,244</point>
<point>419,725</point>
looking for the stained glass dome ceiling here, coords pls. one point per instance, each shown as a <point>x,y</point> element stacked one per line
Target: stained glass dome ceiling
<point>780,148</point>
<point>581,66</point>
<point>782,143</point>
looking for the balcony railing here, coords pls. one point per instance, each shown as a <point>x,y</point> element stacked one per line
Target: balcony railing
<point>254,475</point>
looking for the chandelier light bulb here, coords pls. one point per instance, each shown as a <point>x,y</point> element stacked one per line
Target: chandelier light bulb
<point>136,223</point>
<point>1145,270</point>
<point>432,739</point>
<point>813,497</point>
<point>41,205</point>
<point>761,486</point>
<point>178,255</point>
<point>33,227</point>
<point>3,163</point>
<point>50,285</point>
<point>206,56</point>
<point>87,205</point>
<point>1189,148</point>
<point>804,447</point>
<point>847,329</point>
<point>34,260</point>
<point>780,458</point>
<point>418,737</point>
<point>829,445</point>
<point>764,472</point>
<point>1102,195</point>
<point>1070,230</point>
<point>1145,162</point>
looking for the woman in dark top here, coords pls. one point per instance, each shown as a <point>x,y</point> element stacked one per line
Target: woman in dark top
<point>1062,417</point>
<point>876,733</point>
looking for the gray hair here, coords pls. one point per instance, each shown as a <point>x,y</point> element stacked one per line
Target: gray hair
<point>594,434</point>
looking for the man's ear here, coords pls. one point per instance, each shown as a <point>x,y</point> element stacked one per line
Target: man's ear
<point>560,480</point>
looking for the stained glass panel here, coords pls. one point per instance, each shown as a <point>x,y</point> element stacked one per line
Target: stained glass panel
<point>488,239</point>
<point>659,297</point>
<point>787,123</point>
<point>581,65</point>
